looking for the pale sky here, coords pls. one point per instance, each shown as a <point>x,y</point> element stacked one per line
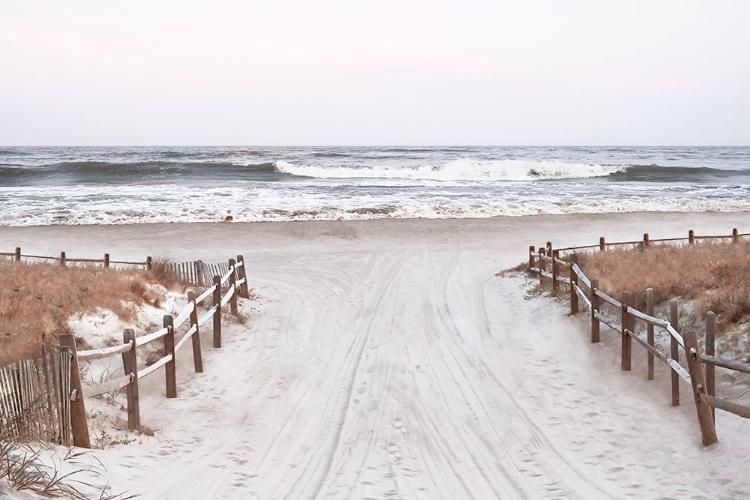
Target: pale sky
<point>275,72</point>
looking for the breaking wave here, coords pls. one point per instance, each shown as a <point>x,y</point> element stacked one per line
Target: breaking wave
<point>457,170</point>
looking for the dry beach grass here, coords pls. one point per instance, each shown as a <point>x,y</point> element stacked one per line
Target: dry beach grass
<point>37,299</point>
<point>714,275</point>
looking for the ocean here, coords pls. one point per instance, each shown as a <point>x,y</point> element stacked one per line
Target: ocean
<point>123,185</point>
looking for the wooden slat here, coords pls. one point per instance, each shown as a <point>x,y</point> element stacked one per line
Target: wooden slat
<point>104,352</point>
<point>651,349</point>
<point>241,281</point>
<point>151,369</point>
<point>607,298</point>
<point>183,316</point>
<point>563,279</point>
<point>606,321</point>
<point>186,337</point>
<point>546,274</point>
<point>207,315</point>
<point>674,333</point>
<point>648,319</point>
<point>108,386</point>
<point>226,275</point>
<point>725,363</point>
<point>679,370</point>
<point>228,296</point>
<point>581,277</point>
<point>722,404</point>
<point>582,297</point>
<point>207,293</point>
<point>151,337</point>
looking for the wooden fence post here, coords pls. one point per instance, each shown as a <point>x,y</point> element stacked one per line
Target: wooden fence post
<point>555,272</point>
<point>646,241</point>
<point>233,284</point>
<point>594,309</point>
<point>627,342</point>
<point>674,352</point>
<point>549,248</point>
<point>217,314</point>
<point>735,236</point>
<point>106,260</point>
<point>196,338</point>
<point>542,267</point>
<point>18,254</point>
<point>691,237</point>
<point>573,284</point>
<point>62,259</point>
<point>169,368</point>
<point>532,249</point>
<point>77,405</point>
<point>244,289</point>
<point>130,365</point>
<point>602,244</point>
<point>149,263</point>
<point>711,351</point>
<point>650,331</point>
<point>705,419</point>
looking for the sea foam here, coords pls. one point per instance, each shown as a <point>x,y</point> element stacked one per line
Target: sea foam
<point>456,170</point>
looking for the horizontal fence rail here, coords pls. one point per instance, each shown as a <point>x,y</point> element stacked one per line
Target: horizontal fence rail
<point>547,263</point>
<point>63,259</point>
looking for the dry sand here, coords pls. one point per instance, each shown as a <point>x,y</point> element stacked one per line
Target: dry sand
<point>387,361</point>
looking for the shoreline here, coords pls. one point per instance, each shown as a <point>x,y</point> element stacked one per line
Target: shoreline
<point>201,240</point>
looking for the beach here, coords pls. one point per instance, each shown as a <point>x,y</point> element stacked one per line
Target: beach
<point>384,359</point>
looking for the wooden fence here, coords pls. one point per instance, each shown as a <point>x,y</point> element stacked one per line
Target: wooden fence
<point>199,273</point>
<point>622,317</point>
<point>63,259</point>
<point>57,381</point>
<point>32,405</point>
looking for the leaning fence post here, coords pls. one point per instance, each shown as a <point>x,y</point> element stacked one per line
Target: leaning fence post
<point>627,342</point>
<point>130,365</point>
<point>594,310</point>
<point>196,338</point>
<point>18,254</point>
<point>573,284</point>
<point>233,286</point>
<point>674,352</point>
<point>555,271</point>
<point>532,249</point>
<point>169,368</point>
<point>650,331</point>
<point>77,405</point>
<point>691,237</point>
<point>711,351</point>
<point>602,244</point>
<point>217,313</point>
<point>705,419</point>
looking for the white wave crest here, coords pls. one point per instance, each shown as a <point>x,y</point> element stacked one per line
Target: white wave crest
<point>457,170</point>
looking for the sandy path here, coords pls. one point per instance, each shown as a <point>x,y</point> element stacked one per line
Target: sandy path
<point>389,362</point>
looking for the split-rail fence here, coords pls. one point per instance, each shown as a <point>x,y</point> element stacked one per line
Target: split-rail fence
<point>584,293</point>
<point>44,398</point>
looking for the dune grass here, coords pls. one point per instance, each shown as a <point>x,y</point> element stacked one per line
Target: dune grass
<point>715,276</point>
<point>37,299</point>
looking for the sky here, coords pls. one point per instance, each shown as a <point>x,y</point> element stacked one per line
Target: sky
<point>276,72</point>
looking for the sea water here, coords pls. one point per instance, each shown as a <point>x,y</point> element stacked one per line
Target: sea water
<point>119,185</point>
